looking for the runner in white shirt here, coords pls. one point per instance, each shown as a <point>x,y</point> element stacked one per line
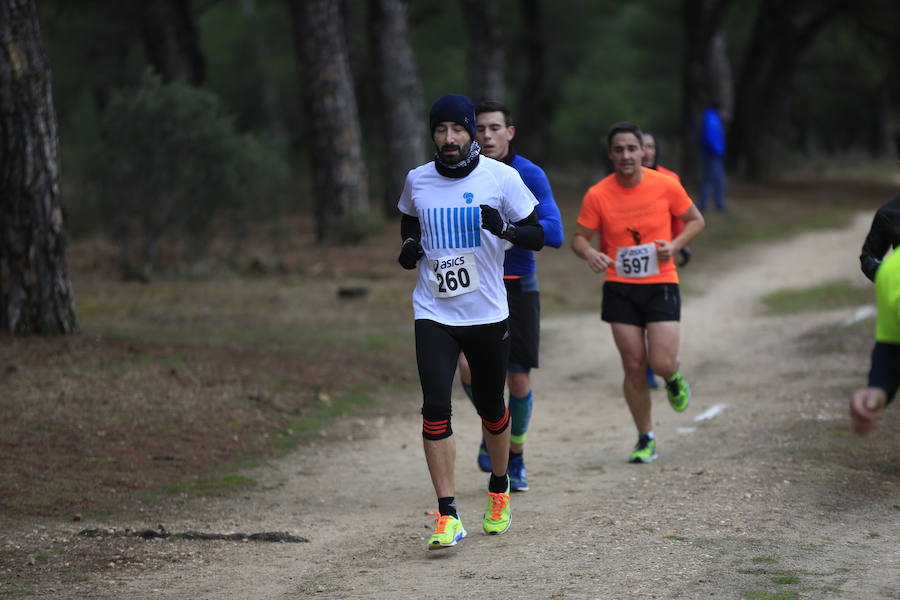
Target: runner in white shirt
<point>458,212</point>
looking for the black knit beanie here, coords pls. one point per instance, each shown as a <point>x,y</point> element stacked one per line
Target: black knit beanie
<point>456,108</point>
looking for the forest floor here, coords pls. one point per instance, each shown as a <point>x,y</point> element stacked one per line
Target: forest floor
<point>760,489</point>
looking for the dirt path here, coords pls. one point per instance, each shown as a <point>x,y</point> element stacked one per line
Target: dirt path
<point>769,498</point>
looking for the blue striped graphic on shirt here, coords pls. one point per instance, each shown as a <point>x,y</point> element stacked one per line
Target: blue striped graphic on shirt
<point>451,227</point>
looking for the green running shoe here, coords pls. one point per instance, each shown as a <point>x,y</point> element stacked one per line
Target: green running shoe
<point>644,450</point>
<point>447,531</point>
<point>679,392</point>
<point>497,516</point>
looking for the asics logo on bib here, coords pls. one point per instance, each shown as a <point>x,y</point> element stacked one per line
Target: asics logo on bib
<point>451,227</point>
<point>451,261</point>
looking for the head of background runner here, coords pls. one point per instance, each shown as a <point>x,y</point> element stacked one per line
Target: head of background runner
<point>651,157</point>
<point>625,150</point>
<point>493,129</point>
<point>453,130</point>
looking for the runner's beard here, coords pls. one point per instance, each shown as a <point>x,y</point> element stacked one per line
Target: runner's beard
<point>461,153</point>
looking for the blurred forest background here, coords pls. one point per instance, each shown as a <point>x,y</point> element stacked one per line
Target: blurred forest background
<point>801,81</point>
<point>181,121</point>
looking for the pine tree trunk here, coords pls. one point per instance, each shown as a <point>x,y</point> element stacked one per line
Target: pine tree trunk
<point>400,94</point>
<point>171,41</point>
<point>780,36</point>
<point>487,69</point>
<point>701,23</point>
<point>534,108</point>
<point>35,291</point>
<point>721,78</point>
<point>340,187</point>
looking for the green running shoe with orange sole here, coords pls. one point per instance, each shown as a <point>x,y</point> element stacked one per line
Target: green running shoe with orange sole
<point>447,531</point>
<point>497,516</point>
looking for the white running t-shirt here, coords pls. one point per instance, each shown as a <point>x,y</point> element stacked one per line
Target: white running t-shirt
<point>461,275</point>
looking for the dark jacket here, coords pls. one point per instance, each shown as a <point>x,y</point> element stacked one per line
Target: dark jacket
<point>884,234</point>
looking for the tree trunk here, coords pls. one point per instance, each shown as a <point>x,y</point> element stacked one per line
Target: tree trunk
<point>487,71</point>
<point>701,24</point>
<point>879,139</point>
<point>533,110</point>
<point>171,41</point>
<point>35,291</point>
<point>270,106</point>
<point>780,36</point>
<point>720,79</point>
<point>400,96</point>
<point>340,188</point>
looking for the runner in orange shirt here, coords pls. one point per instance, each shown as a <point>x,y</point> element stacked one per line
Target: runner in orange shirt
<point>632,210</point>
<point>651,159</point>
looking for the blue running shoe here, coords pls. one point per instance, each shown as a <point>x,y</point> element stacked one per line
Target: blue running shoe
<point>484,459</point>
<point>518,479</point>
<point>651,379</point>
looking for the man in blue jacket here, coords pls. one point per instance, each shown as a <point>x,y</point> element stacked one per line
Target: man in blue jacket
<point>495,132</point>
<point>712,155</point>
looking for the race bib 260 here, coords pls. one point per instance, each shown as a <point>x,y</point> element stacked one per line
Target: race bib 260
<point>454,275</point>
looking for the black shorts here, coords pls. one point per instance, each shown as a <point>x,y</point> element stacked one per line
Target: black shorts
<point>640,303</point>
<point>524,326</point>
<point>437,352</point>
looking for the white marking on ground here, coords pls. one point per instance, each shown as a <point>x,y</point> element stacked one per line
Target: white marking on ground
<point>863,312</point>
<point>687,429</point>
<point>710,412</point>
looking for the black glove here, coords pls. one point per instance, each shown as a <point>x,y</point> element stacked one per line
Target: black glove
<point>493,222</point>
<point>410,253</point>
<point>685,256</point>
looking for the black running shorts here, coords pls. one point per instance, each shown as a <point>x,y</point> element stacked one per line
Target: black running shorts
<point>524,326</point>
<point>640,303</point>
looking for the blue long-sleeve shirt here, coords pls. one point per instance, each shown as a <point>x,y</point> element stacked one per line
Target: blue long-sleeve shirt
<point>712,141</point>
<point>519,261</point>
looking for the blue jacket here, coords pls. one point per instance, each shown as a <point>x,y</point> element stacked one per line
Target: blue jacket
<point>712,138</point>
<point>518,260</point>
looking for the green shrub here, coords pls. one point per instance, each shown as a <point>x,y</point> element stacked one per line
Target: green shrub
<point>172,167</point>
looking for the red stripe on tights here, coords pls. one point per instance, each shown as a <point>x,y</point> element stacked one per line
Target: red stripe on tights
<point>499,424</point>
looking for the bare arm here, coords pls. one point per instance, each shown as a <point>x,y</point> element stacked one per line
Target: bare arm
<point>581,246</point>
<point>693,224</point>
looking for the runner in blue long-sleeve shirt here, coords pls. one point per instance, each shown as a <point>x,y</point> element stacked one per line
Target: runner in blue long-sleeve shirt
<point>494,132</point>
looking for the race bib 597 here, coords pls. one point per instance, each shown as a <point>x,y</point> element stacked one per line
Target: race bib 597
<point>637,261</point>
